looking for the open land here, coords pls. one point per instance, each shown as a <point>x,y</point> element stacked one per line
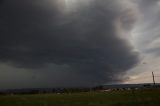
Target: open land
<point>147,97</point>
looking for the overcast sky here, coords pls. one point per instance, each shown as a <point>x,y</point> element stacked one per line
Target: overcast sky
<point>78,43</point>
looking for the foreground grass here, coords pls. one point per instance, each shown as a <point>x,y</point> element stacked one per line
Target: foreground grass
<point>120,98</point>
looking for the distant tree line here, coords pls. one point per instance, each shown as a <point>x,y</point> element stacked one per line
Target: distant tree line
<point>49,90</point>
<point>66,90</point>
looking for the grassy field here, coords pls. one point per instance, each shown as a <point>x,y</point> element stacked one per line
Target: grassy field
<point>116,98</point>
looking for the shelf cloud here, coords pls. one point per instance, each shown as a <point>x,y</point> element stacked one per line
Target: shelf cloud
<point>88,45</point>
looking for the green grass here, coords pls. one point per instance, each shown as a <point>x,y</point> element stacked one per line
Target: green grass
<point>119,98</point>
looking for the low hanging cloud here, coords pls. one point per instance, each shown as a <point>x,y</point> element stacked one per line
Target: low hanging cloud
<point>89,42</point>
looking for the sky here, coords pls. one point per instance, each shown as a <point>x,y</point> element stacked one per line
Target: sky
<point>78,43</point>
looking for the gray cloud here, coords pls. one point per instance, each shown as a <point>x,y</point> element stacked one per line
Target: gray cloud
<point>85,43</point>
<point>147,29</point>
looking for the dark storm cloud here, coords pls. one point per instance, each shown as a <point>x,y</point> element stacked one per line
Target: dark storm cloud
<point>1,2</point>
<point>35,34</point>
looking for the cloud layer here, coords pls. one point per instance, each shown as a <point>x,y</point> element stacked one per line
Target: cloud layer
<point>89,42</point>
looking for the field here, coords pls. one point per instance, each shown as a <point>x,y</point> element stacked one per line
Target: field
<point>114,98</point>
